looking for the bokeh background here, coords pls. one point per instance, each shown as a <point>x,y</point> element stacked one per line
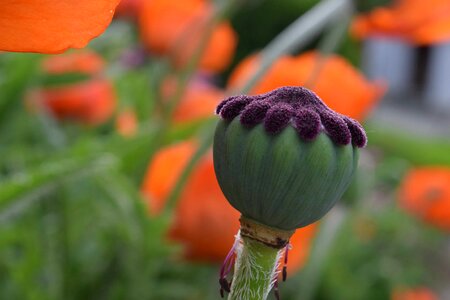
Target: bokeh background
<point>107,187</point>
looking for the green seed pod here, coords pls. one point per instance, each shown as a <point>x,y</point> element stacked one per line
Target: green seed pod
<point>284,158</point>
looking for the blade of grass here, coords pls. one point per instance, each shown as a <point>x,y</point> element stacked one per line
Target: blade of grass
<point>144,235</point>
<point>54,226</point>
<point>125,198</point>
<point>14,210</point>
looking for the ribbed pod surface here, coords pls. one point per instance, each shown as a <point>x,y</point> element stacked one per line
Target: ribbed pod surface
<point>280,180</point>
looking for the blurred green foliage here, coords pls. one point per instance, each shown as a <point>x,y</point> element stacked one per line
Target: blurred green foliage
<point>383,250</point>
<point>73,224</point>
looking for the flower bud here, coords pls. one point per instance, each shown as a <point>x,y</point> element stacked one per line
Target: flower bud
<point>283,159</point>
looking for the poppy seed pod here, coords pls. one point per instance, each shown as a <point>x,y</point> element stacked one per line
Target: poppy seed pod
<point>283,159</point>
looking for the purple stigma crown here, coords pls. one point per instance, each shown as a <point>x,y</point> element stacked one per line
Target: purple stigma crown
<point>295,106</point>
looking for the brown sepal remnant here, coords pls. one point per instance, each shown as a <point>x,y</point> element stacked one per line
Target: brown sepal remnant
<point>272,237</point>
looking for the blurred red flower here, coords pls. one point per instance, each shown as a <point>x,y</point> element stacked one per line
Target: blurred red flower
<point>342,87</point>
<point>175,28</point>
<point>205,223</point>
<point>425,192</point>
<point>418,21</point>
<point>90,100</point>
<point>52,26</point>
<point>422,293</point>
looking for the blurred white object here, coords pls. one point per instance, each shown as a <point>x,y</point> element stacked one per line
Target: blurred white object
<point>437,85</point>
<point>391,60</point>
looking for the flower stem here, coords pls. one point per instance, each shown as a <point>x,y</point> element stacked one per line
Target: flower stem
<point>255,270</point>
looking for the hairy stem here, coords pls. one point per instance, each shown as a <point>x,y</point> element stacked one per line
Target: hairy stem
<point>255,270</point>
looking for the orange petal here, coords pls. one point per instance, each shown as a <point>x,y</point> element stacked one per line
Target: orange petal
<point>52,26</point>
<point>126,123</point>
<point>340,85</point>
<point>205,222</point>
<point>301,242</point>
<point>425,192</point>
<point>219,50</point>
<point>90,102</point>
<point>163,22</point>
<point>164,171</point>
<point>199,102</point>
<point>433,33</point>
<point>418,21</point>
<point>78,61</point>
<point>175,28</point>
<point>360,27</point>
<point>281,73</point>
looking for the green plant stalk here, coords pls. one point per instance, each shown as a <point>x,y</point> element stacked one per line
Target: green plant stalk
<point>255,270</point>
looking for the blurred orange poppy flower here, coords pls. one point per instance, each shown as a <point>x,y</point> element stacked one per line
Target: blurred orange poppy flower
<point>342,87</point>
<point>425,192</point>
<point>414,294</point>
<point>86,62</point>
<point>90,100</point>
<point>205,223</point>
<point>175,28</point>
<point>199,100</point>
<point>418,21</point>
<point>52,26</point>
